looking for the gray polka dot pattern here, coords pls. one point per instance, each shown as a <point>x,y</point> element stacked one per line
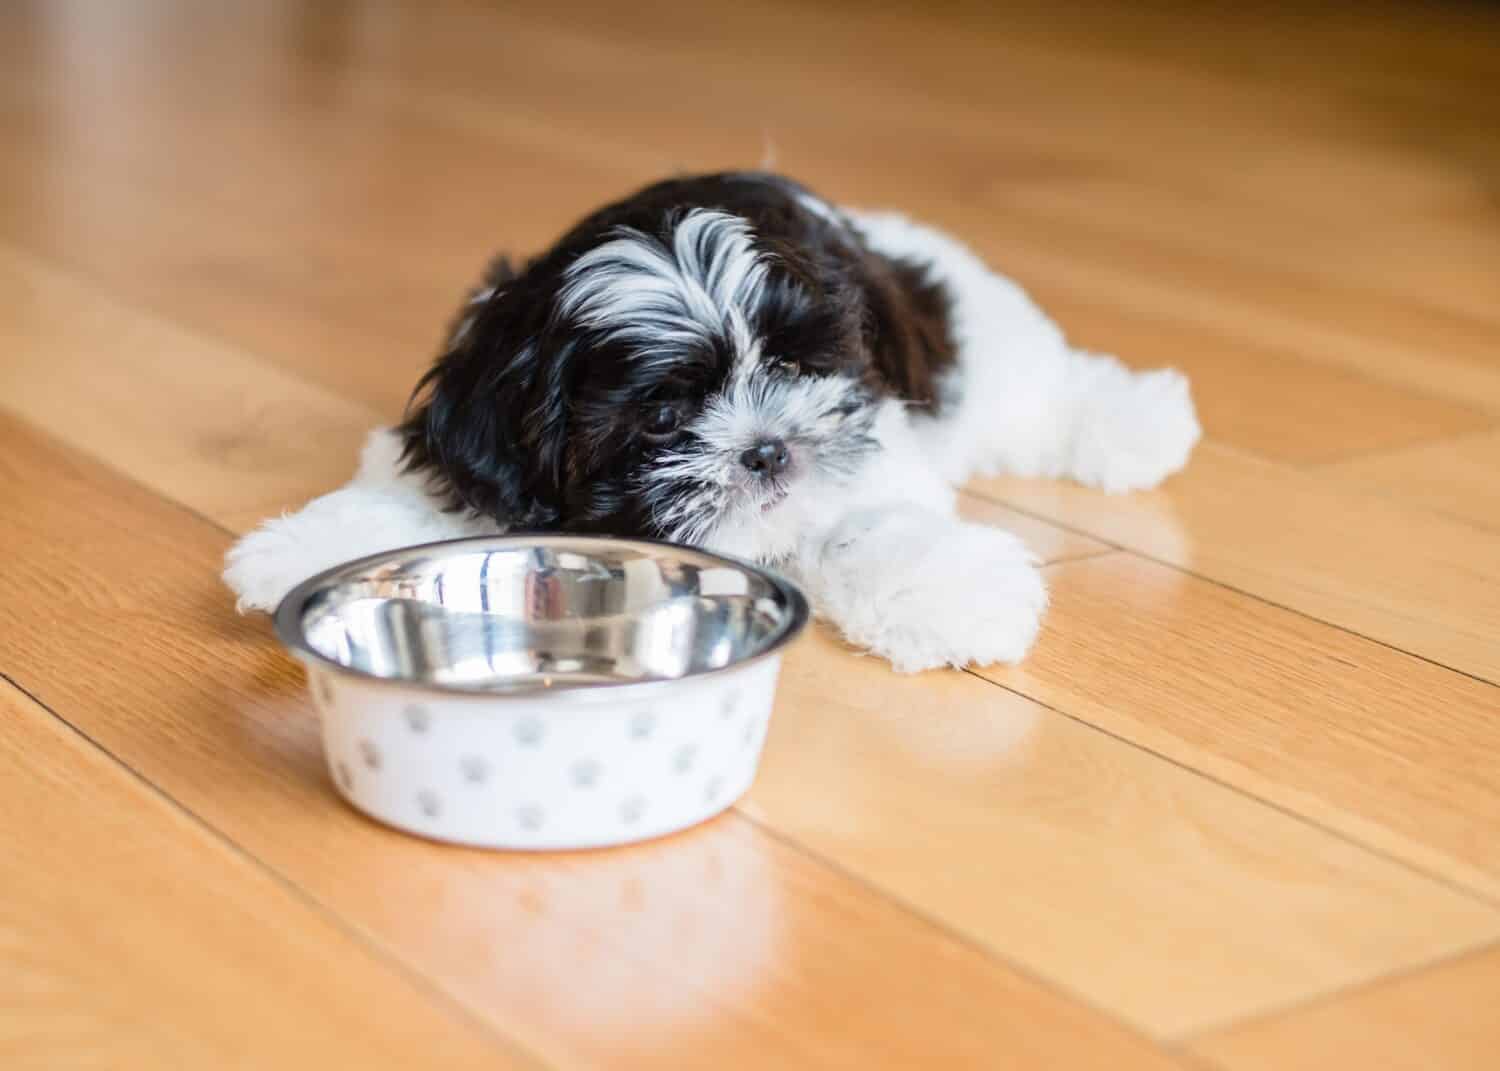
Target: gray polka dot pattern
<point>529,732</point>
<point>586,773</point>
<point>475,769</point>
<point>522,778</point>
<point>632,809</point>
<point>418,720</point>
<point>642,725</point>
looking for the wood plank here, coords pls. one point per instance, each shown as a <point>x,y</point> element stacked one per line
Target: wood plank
<point>143,189</point>
<point>1443,1017</point>
<point>1260,396</point>
<point>366,157</point>
<point>1243,387</point>
<point>1414,348</point>
<point>980,808</point>
<point>1047,541</point>
<point>239,438</point>
<point>1415,581</point>
<point>724,942</point>
<point>249,438</point>
<point>949,106</point>
<point>289,266</point>
<point>1079,856</point>
<point>1392,751</point>
<point>1261,977</point>
<point>1432,257</point>
<point>132,937</point>
<point>1458,478</point>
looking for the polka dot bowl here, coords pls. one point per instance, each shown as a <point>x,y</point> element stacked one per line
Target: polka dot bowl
<point>543,692</point>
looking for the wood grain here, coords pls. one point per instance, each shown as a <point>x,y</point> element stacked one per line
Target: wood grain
<point>203,254</point>
<point>1393,751</point>
<point>250,439</point>
<point>1047,541</point>
<point>1263,396</point>
<point>230,235</point>
<point>1423,352</point>
<point>725,942</point>
<point>1223,973</point>
<point>1443,1017</point>
<point>1079,855</point>
<point>238,438</point>
<point>1423,583</point>
<point>1457,478</point>
<point>131,938</point>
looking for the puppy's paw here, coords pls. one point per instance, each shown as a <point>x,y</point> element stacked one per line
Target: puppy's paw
<point>957,594</point>
<point>1136,431</point>
<point>356,520</point>
<point>266,564</point>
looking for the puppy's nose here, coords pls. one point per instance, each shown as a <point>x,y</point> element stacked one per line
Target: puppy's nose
<point>769,457</point>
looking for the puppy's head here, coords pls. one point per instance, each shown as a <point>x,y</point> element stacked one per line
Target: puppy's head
<point>684,381</point>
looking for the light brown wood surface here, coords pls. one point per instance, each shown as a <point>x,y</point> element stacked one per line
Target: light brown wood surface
<point>1458,477</point>
<point>1381,568</point>
<point>1080,856</point>
<point>1440,1017</point>
<point>1238,809</point>
<point>1390,750</point>
<point>134,937</point>
<point>731,942</point>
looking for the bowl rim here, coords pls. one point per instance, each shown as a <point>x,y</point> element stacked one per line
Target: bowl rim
<point>286,619</point>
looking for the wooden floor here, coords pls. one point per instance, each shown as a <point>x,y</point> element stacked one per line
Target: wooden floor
<point>1241,808</point>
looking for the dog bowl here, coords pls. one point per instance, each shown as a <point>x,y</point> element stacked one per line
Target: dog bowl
<point>542,692</point>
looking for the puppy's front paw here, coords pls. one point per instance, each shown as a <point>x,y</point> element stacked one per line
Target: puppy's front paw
<point>963,595</point>
<point>266,564</point>
<point>1135,432</point>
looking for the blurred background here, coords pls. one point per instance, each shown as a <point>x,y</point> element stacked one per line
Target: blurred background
<point>1281,198</point>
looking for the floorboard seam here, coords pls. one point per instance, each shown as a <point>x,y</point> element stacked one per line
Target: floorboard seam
<point>1452,885</point>
<point>937,925</point>
<point>1264,600</point>
<point>1425,443</point>
<point>358,935</point>
<point>1110,547</point>
<point>1336,993</point>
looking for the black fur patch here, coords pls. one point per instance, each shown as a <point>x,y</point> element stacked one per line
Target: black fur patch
<point>537,422</point>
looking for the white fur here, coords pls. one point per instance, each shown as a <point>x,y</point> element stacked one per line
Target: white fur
<point>820,501</point>
<point>923,589</point>
<point>728,513</point>
<point>380,509</point>
<point>879,550</point>
<point>637,288</point>
<point>1022,401</point>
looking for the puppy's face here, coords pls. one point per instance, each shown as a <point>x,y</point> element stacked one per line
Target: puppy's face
<point>689,385</point>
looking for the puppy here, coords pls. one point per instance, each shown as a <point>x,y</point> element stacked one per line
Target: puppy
<point>730,361</point>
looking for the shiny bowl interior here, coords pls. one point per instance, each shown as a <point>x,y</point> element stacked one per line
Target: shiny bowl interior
<point>539,612</point>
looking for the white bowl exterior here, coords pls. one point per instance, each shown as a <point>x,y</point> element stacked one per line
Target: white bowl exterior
<point>577,768</point>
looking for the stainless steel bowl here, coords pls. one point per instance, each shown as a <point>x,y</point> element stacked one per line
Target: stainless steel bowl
<point>542,691</point>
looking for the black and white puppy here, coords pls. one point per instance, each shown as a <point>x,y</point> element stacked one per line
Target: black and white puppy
<point>730,361</point>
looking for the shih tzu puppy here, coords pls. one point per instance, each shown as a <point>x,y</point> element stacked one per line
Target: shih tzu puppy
<point>730,361</point>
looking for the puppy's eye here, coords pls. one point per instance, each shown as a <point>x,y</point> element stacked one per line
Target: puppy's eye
<point>785,365</point>
<point>662,421</point>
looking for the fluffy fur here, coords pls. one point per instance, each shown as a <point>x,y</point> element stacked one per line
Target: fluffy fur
<point>730,361</point>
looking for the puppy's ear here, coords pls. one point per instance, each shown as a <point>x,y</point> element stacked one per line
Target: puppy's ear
<point>487,423</point>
